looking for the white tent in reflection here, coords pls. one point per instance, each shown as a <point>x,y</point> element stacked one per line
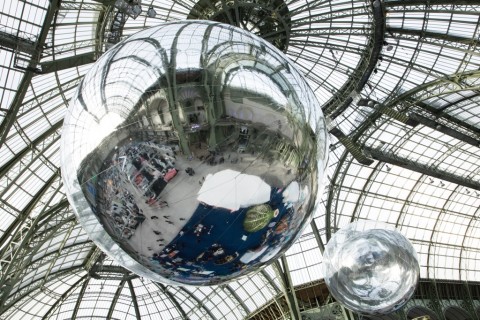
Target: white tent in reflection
<point>233,190</point>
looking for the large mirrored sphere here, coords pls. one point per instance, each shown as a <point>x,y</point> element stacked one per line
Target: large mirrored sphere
<point>192,153</point>
<point>370,268</point>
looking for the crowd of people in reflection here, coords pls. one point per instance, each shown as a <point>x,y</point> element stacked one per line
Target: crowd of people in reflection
<point>149,166</point>
<point>141,168</point>
<point>121,207</point>
<point>203,250</point>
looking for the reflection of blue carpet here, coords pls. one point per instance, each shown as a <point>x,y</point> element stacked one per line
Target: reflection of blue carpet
<point>220,227</point>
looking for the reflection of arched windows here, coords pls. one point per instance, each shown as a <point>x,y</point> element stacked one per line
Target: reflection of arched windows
<point>456,313</point>
<point>418,312</point>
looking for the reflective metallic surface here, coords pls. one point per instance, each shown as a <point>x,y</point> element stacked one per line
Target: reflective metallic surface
<point>370,269</point>
<point>192,153</point>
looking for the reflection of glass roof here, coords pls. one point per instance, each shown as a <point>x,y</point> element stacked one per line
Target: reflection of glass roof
<point>398,79</point>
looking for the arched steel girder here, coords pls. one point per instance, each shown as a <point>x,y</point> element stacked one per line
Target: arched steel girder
<point>429,2</point>
<point>433,35</point>
<point>39,283</point>
<point>438,220</point>
<point>365,189</point>
<point>14,246</point>
<point>334,188</point>
<point>412,191</point>
<point>395,159</point>
<point>20,173</point>
<point>115,298</point>
<point>469,134</point>
<point>32,146</point>
<point>356,9</point>
<point>11,116</point>
<point>24,215</point>
<point>468,46</point>
<point>198,302</point>
<point>448,84</point>
<point>28,266</point>
<point>237,298</point>
<point>471,224</point>
<point>47,96</point>
<point>55,64</point>
<point>276,297</point>
<point>457,80</point>
<point>80,298</point>
<point>339,175</point>
<point>368,62</point>
<point>62,272</point>
<point>63,297</point>
<point>66,63</point>
<point>317,235</point>
<point>134,299</point>
<point>281,267</point>
<point>26,251</point>
<point>458,101</point>
<point>173,299</point>
<point>431,246</point>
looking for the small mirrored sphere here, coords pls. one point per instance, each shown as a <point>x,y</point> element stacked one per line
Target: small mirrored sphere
<point>192,153</point>
<point>370,268</point>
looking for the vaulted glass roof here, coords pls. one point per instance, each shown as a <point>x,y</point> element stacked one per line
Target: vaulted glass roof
<point>398,81</point>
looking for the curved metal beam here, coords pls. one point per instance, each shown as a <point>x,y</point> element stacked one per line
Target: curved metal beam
<point>14,273</point>
<point>433,35</point>
<point>172,298</point>
<point>314,227</point>
<point>52,276</point>
<point>63,297</point>
<point>405,3</point>
<point>456,79</point>
<point>19,156</point>
<point>434,124</point>
<point>368,62</point>
<point>333,191</point>
<point>281,266</point>
<point>198,301</point>
<point>12,228</point>
<point>437,222</point>
<point>115,298</point>
<point>409,164</point>
<point>134,299</point>
<point>470,226</point>
<point>79,299</point>
<point>11,116</point>
<point>237,297</point>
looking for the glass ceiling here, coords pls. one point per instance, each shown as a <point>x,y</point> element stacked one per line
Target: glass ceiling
<point>398,80</point>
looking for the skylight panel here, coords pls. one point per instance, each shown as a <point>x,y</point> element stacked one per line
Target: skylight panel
<point>9,79</point>
<point>214,302</point>
<point>313,256</point>
<point>26,17</point>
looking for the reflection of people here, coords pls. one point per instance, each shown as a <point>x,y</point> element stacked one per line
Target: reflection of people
<point>227,259</point>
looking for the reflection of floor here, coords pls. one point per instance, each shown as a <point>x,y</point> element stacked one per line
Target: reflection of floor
<point>181,196</point>
<point>214,244</point>
<point>163,225</point>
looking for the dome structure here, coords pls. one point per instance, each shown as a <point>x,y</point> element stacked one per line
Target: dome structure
<point>398,83</point>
